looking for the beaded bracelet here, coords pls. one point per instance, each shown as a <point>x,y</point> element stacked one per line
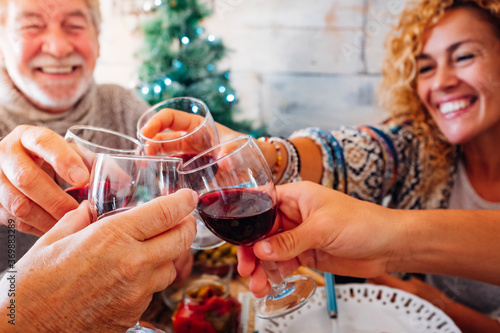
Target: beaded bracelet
<point>275,168</point>
<point>298,156</point>
<point>292,169</point>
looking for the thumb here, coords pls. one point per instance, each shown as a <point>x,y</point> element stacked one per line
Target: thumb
<point>71,222</point>
<point>285,245</point>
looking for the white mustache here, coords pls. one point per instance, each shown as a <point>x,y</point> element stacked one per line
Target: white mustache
<point>45,60</point>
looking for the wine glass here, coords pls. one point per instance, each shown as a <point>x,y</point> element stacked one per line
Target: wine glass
<point>237,201</point>
<point>162,133</point>
<point>89,140</point>
<point>121,182</point>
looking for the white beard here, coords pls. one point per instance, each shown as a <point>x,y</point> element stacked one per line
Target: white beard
<point>36,94</point>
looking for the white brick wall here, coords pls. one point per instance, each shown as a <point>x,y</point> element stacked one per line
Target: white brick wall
<point>294,63</point>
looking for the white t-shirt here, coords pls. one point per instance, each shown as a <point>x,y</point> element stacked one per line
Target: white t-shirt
<point>480,296</point>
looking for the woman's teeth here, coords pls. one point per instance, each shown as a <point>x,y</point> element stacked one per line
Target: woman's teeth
<point>453,106</point>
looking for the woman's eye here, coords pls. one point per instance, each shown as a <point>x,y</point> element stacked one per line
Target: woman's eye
<point>465,57</point>
<point>424,69</point>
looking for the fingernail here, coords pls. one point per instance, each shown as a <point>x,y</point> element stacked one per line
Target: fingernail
<point>77,174</point>
<point>195,196</point>
<point>266,247</point>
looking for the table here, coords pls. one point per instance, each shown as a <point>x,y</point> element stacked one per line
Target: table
<point>159,314</point>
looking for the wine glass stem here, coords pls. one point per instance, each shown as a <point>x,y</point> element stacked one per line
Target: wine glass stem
<point>274,275</point>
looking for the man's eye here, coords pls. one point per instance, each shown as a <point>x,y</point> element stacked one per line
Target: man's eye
<point>31,27</point>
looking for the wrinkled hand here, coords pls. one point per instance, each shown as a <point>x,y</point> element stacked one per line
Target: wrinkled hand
<point>323,229</point>
<point>28,193</point>
<point>101,277</point>
<point>183,266</point>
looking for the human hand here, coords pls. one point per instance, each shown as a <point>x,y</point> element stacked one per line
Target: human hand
<point>183,266</point>
<point>28,193</point>
<point>322,229</point>
<point>179,122</point>
<point>81,277</point>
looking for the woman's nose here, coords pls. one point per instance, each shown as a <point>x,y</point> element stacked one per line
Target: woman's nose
<point>445,78</point>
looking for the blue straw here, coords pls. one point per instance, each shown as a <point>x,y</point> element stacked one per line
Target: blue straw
<point>331,298</point>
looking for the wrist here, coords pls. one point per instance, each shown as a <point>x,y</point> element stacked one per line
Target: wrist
<point>400,241</point>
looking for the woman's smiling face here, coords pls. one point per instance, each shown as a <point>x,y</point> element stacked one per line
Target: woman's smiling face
<point>458,77</point>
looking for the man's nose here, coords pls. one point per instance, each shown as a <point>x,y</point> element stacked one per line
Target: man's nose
<point>57,43</point>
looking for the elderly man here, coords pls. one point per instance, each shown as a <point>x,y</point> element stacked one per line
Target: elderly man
<point>49,50</point>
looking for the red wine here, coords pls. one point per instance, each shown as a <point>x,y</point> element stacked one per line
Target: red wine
<point>239,216</point>
<point>110,196</point>
<point>79,193</point>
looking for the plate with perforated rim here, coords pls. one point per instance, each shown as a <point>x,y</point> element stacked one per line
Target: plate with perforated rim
<point>364,308</point>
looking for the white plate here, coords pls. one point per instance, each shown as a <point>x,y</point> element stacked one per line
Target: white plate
<point>364,308</point>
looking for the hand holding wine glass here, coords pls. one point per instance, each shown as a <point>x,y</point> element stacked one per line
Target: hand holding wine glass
<point>100,277</point>
<point>237,201</point>
<point>181,127</point>
<point>28,193</point>
<point>121,182</point>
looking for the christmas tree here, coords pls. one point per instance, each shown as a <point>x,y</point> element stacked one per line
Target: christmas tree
<point>180,59</point>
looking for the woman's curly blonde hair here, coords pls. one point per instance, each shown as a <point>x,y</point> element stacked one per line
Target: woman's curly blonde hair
<point>397,91</point>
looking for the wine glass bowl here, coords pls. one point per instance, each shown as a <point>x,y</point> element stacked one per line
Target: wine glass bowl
<point>120,182</point>
<point>181,127</point>
<point>237,201</point>
<point>89,140</point>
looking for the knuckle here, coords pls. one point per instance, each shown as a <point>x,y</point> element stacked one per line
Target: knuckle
<point>45,138</point>
<point>21,129</point>
<point>167,214</point>
<point>169,276</point>
<point>24,176</point>
<point>131,267</point>
<point>286,242</point>
<point>186,236</point>
<point>56,203</point>
<point>21,207</point>
<point>23,227</point>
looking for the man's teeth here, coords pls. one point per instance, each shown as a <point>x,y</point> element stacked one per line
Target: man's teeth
<point>454,106</point>
<point>57,70</point>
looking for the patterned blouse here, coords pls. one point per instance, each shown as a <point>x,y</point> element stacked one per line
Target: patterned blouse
<point>380,164</point>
